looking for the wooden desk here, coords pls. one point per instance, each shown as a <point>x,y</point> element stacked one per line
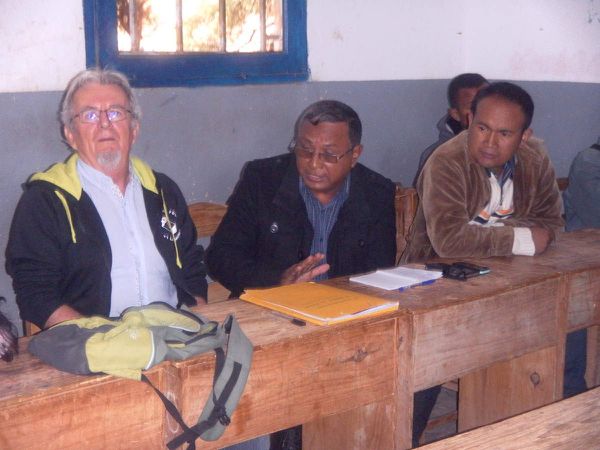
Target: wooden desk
<point>456,329</point>
<point>567,424</point>
<point>350,384</point>
<point>298,374</point>
<point>502,335</point>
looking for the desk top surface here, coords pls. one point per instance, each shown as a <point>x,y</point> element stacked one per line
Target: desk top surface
<point>571,253</point>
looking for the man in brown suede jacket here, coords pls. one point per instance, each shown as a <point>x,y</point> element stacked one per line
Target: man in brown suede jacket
<point>491,190</point>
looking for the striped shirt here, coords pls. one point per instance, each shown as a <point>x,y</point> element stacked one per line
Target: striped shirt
<point>323,217</point>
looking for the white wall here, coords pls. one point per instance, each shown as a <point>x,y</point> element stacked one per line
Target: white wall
<point>538,40</point>
<point>43,44</point>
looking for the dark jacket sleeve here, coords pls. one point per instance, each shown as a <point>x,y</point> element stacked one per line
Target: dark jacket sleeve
<point>384,232</point>
<point>233,256</point>
<point>369,217</point>
<point>34,254</point>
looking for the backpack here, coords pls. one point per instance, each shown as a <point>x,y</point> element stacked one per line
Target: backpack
<point>145,336</point>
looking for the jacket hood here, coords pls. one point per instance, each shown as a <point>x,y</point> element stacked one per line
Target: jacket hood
<point>65,176</point>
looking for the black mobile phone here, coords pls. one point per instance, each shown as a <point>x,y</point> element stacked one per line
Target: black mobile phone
<point>459,270</point>
<point>481,270</point>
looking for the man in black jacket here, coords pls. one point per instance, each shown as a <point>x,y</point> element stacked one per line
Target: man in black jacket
<point>101,231</point>
<point>311,214</point>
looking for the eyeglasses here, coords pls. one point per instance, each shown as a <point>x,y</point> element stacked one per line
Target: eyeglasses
<point>308,153</point>
<point>92,115</point>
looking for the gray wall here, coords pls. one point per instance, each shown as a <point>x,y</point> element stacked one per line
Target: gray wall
<point>202,137</point>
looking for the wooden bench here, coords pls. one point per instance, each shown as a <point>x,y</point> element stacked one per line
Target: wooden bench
<point>207,217</point>
<point>406,202</point>
<point>570,423</point>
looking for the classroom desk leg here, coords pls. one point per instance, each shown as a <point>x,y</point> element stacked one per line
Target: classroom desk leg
<point>510,387</point>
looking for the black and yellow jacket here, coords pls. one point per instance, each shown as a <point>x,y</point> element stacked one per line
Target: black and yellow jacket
<point>58,251</point>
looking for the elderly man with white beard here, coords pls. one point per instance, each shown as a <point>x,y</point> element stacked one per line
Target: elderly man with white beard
<point>101,231</point>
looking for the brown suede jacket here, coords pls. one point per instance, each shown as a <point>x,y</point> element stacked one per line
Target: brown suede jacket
<point>453,189</point>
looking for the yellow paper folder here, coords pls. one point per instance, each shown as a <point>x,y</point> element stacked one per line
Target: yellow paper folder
<point>318,303</point>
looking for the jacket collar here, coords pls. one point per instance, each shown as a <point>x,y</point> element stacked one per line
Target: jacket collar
<point>65,176</point>
<point>288,196</point>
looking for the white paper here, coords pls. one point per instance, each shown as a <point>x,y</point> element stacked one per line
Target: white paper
<point>398,278</point>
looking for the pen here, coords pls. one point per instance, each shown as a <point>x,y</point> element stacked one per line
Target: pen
<point>293,320</point>
<point>424,283</point>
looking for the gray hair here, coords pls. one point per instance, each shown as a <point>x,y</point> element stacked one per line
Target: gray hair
<point>99,76</point>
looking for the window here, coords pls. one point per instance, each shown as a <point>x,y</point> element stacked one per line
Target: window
<point>197,42</point>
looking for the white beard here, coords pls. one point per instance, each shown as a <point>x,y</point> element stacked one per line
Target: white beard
<point>109,160</point>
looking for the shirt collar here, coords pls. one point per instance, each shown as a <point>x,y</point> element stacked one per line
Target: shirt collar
<point>508,170</point>
<point>340,196</point>
<point>103,182</point>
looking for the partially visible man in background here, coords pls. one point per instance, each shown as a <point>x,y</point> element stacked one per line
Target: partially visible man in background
<point>582,196</point>
<point>461,92</point>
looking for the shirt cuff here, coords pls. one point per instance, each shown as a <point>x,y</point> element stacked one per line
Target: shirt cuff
<point>523,243</point>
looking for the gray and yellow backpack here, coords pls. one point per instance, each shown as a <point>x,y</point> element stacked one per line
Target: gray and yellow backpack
<point>145,336</point>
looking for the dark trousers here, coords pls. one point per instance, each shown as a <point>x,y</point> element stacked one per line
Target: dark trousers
<point>575,363</point>
<point>424,401</point>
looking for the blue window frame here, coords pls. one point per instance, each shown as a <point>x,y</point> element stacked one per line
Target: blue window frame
<point>194,69</point>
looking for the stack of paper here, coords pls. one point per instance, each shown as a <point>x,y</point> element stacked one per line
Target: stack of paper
<point>318,303</point>
<point>398,278</point>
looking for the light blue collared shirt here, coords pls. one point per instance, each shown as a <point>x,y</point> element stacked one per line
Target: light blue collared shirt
<point>138,273</point>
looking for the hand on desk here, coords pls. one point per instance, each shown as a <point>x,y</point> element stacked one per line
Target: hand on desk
<point>541,239</point>
<point>305,270</point>
<point>62,313</point>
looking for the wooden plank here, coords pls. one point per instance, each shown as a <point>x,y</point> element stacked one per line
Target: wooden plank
<point>369,426</point>
<point>568,424</point>
<point>206,217</point>
<point>452,341</point>
<point>592,373</point>
<point>507,388</point>
<point>386,424</point>
<point>93,412</point>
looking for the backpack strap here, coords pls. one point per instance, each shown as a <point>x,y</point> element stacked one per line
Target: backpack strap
<point>230,376</point>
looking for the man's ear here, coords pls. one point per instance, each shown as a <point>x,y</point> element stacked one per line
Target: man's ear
<point>356,151</point>
<point>68,133</point>
<point>135,129</point>
<point>469,119</point>
<point>453,112</point>
<point>526,135</point>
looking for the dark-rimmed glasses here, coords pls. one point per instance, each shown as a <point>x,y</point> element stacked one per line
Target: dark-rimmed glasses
<point>92,115</point>
<point>308,153</point>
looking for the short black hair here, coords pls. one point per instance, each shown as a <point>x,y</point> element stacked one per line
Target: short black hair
<point>463,81</point>
<point>512,93</point>
<point>332,111</point>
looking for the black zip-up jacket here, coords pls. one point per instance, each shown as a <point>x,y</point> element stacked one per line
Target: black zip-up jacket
<point>58,251</point>
<point>266,228</point>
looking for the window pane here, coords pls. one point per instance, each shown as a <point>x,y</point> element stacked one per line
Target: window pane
<point>243,26</point>
<point>154,25</point>
<point>151,26</point>
<point>274,28</point>
<point>201,26</point>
